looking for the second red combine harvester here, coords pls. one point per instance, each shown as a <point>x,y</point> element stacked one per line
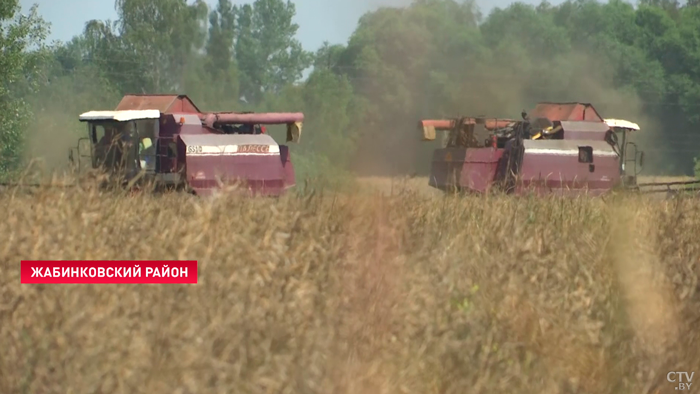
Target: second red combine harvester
<point>166,139</point>
<point>560,148</point>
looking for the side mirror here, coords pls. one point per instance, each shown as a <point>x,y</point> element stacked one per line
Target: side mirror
<point>294,132</point>
<point>641,159</point>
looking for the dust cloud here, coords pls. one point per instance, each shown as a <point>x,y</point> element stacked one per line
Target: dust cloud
<point>52,134</point>
<point>432,83</point>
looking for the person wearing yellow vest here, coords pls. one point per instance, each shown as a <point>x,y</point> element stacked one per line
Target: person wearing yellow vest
<point>147,153</point>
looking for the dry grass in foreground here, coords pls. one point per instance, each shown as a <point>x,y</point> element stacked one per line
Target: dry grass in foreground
<point>398,185</point>
<point>356,294</point>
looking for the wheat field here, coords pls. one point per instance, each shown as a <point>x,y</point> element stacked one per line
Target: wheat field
<point>360,293</point>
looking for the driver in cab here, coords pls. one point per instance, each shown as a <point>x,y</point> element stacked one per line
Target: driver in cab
<point>112,145</point>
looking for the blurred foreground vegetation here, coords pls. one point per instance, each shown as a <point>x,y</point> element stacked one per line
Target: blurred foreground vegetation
<point>354,293</point>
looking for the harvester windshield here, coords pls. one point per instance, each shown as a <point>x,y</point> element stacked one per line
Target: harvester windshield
<point>122,141</point>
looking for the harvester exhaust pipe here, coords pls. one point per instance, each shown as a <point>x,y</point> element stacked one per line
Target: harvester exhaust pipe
<point>220,118</point>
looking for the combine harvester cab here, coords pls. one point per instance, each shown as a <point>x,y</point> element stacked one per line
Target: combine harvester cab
<point>560,148</point>
<point>167,140</point>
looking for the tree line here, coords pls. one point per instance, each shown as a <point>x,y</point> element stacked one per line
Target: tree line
<point>362,99</point>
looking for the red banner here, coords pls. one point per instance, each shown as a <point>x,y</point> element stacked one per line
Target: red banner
<point>108,271</point>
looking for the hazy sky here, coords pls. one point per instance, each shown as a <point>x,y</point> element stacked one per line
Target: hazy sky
<point>319,20</point>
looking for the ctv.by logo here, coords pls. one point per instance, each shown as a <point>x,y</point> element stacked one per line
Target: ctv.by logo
<point>683,379</point>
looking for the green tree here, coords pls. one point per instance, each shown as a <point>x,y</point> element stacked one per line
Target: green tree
<point>267,54</point>
<point>328,57</point>
<point>220,82</point>
<point>22,47</point>
<point>101,47</point>
<point>163,34</point>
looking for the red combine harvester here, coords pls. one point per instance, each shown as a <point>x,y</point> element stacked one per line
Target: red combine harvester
<point>560,148</point>
<point>167,140</point>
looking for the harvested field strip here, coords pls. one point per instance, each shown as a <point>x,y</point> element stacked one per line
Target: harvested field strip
<point>354,294</point>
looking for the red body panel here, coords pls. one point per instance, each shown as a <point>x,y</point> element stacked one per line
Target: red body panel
<point>472,169</point>
<point>548,168</point>
<point>214,158</point>
<point>261,175</point>
<point>479,170</point>
<point>165,103</point>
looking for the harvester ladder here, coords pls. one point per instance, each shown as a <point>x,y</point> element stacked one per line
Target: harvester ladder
<point>80,155</point>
